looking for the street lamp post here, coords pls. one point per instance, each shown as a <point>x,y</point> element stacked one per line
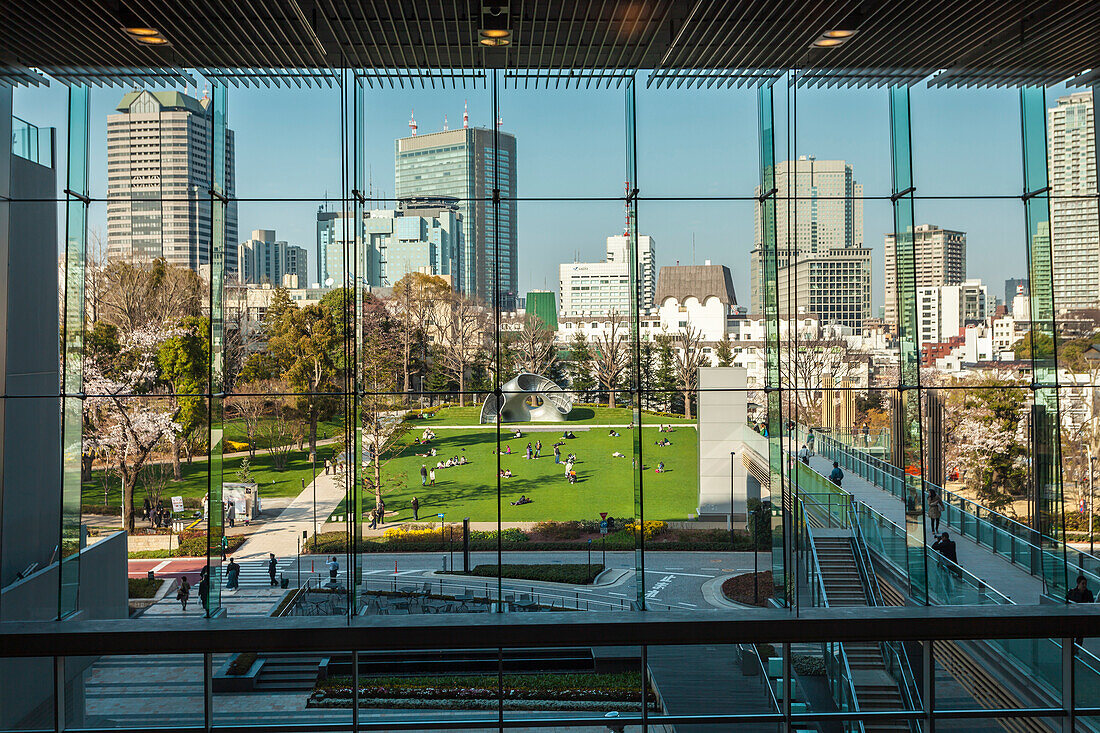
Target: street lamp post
<point>442,539</point>
<point>589,558</point>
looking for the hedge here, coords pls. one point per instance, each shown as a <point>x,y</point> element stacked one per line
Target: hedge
<point>191,544</point>
<point>718,540</point>
<point>574,574</point>
<point>144,587</point>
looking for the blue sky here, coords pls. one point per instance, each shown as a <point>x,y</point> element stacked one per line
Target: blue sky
<point>571,143</point>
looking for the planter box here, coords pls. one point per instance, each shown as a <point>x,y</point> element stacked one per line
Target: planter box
<point>225,682</point>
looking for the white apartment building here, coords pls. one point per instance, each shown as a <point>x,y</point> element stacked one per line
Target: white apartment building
<point>264,259</point>
<point>158,181</point>
<point>940,258</point>
<point>1074,226</point>
<point>942,311</point>
<point>599,288</point>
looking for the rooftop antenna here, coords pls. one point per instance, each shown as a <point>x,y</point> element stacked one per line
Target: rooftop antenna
<point>445,128</point>
<point>412,122</point>
<point>465,114</point>
<point>500,121</point>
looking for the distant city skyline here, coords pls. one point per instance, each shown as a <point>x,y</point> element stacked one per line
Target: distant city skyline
<point>577,149</point>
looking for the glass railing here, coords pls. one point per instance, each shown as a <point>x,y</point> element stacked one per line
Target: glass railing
<point>1002,535</point>
<point>32,142</point>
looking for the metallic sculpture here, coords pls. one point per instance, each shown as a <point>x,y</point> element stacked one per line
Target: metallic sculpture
<point>528,397</point>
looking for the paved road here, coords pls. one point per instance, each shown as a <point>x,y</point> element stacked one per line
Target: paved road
<point>672,579</point>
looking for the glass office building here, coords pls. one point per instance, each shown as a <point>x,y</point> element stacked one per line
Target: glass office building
<point>405,505</point>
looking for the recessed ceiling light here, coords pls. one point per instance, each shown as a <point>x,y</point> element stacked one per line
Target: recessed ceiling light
<point>152,40</point>
<point>495,42</point>
<point>142,31</point>
<point>838,34</point>
<point>496,33</point>
<point>828,42</point>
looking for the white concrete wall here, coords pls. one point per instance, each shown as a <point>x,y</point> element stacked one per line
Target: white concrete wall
<point>723,408</point>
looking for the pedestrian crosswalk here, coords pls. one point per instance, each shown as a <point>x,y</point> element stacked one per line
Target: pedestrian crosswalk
<point>254,572</point>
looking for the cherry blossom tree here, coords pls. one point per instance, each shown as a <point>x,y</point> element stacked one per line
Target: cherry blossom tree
<point>130,418</point>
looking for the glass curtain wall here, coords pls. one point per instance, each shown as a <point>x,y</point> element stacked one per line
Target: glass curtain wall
<point>403,357</point>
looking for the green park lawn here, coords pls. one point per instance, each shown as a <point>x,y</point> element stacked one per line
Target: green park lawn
<point>604,483</point>
<point>581,415</point>
<point>272,483</point>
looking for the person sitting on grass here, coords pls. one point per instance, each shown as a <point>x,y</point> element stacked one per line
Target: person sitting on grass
<point>507,450</point>
<point>462,461</point>
<point>572,477</point>
<point>617,454</point>
<point>660,467</point>
<point>517,434</point>
<point>521,500</point>
<point>505,473</point>
<point>663,442</point>
<point>612,434</point>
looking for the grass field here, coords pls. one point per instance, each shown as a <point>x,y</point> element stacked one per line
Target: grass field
<point>604,483</point>
<point>287,482</point>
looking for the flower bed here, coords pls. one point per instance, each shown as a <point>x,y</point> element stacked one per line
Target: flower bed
<point>574,574</point>
<point>567,690</point>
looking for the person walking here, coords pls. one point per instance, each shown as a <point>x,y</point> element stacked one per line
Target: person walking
<point>146,510</point>
<point>866,434</point>
<point>184,592</point>
<point>1080,593</point>
<point>935,510</point>
<point>804,454</point>
<point>809,439</point>
<point>204,588</point>
<point>224,546</point>
<point>557,455</point>
<point>836,475</point>
<point>333,569</point>
<point>423,475</point>
<point>232,575</point>
<point>272,568</point>
<point>431,476</point>
<point>416,509</point>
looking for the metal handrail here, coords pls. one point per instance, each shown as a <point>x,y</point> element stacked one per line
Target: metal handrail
<point>1018,532</point>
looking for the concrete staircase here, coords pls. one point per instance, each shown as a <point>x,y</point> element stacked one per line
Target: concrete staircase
<point>875,689</point>
<point>288,673</point>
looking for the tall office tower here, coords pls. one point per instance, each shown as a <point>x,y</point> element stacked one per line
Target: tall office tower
<point>465,164</point>
<point>834,285</point>
<point>158,181</point>
<point>422,235</point>
<point>1074,225</point>
<point>819,208</point>
<point>940,259</point>
<point>647,268</point>
<point>263,259</point>
<point>819,205</point>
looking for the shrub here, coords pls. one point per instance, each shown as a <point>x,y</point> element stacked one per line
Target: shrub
<point>241,663</point>
<point>650,529</point>
<point>558,530</point>
<point>578,574</point>
<point>327,543</point>
<point>807,666</point>
<point>143,587</point>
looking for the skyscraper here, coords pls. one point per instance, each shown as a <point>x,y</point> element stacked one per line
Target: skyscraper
<point>647,268</point>
<point>940,259</point>
<point>1074,228</point>
<point>263,259</point>
<point>819,216</point>
<point>422,235</point>
<point>469,164</point>
<point>158,181</point>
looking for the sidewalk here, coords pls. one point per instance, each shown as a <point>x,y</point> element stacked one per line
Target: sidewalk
<point>1016,583</point>
<point>282,534</point>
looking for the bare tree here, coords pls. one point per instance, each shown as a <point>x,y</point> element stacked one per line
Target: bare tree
<point>139,294</point>
<point>382,425</point>
<point>533,346</point>
<point>460,325</point>
<point>810,360</point>
<point>250,409</point>
<point>611,355</point>
<point>277,431</point>
<point>687,357</point>
<point>415,297</point>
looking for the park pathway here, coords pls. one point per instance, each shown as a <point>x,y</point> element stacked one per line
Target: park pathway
<point>282,534</point>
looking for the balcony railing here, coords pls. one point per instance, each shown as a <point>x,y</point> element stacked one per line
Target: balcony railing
<point>1071,706</point>
<point>32,142</point>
